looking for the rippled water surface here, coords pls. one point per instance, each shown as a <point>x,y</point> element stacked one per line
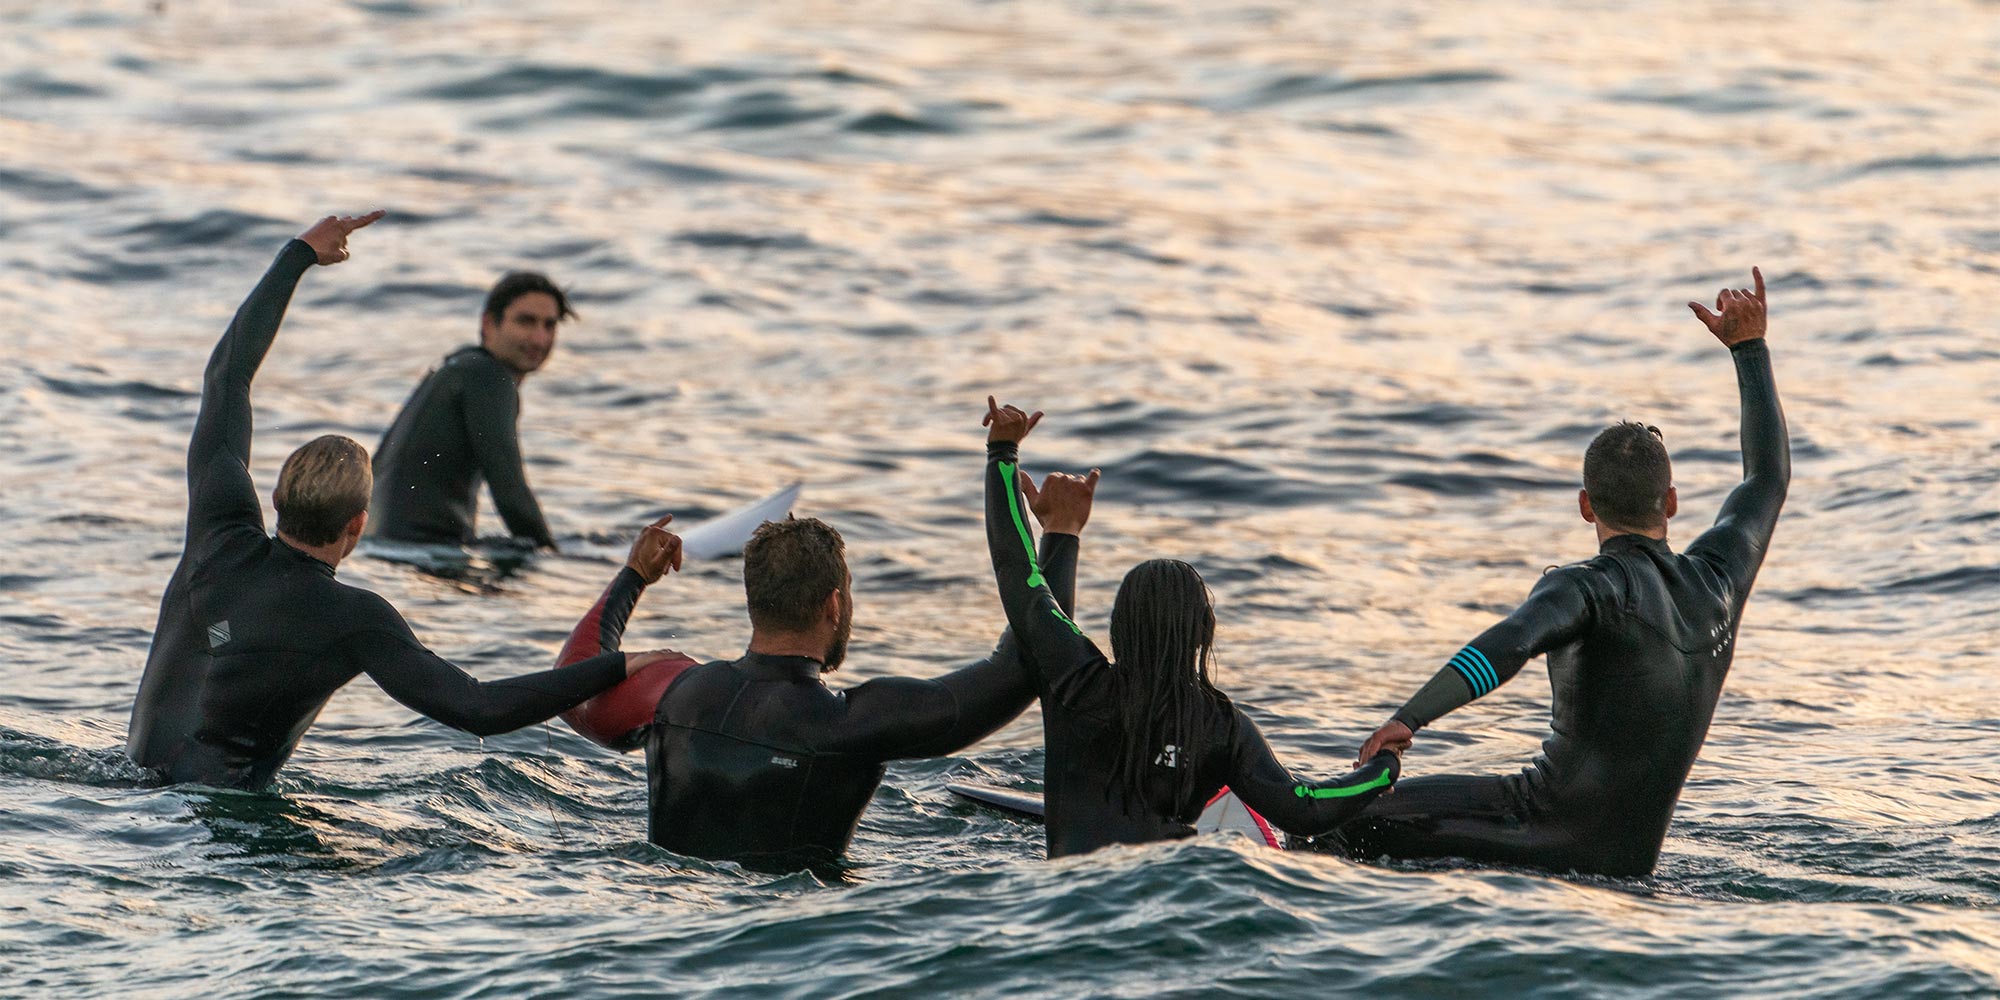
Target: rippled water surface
<point>1334,293</point>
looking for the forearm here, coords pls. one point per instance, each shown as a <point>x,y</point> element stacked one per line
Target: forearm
<point>1008,539</point>
<point>225,399</point>
<point>432,686</point>
<point>1767,450</point>
<point>1301,808</point>
<point>603,627</point>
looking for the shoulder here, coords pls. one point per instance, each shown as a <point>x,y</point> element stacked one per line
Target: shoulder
<point>367,611</point>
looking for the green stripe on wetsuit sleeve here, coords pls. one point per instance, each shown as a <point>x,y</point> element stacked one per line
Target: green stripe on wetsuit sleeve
<point>1309,792</point>
<point>1007,470</point>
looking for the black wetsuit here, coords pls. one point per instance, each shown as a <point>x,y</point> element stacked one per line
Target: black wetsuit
<point>1639,640</point>
<point>460,426</point>
<point>254,635</point>
<point>757,759</point>
<point>1086,806</point>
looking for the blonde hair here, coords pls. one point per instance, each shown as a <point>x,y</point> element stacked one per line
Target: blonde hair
<point>321,487</point>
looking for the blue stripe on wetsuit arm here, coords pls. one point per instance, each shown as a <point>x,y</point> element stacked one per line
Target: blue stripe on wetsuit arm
<point>1555,613</point>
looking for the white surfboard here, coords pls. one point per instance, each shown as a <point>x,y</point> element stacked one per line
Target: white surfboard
<point>726,534</point>
<point>1224,813</point>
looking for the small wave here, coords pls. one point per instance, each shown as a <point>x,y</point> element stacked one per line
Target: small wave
<point>115,390</point>
<point>1133,251</point>
<point>724,239</point>
<point>1298,86</point>
<point>763,110</point>
<point>1931,162</point>
<point>36,84</point>
<point>38,185</point>
<point>208,229</point>
<point>543,79</point>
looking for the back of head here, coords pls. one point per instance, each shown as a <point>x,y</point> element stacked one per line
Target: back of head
<point>1162,631</point>
<point>1627,474</point>
<point>515,284</point>
<point>789,567</point>
<point>320,489</point>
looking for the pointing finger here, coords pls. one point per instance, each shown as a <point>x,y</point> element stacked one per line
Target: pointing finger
<point>1758,277</point>
<point>662,522</point>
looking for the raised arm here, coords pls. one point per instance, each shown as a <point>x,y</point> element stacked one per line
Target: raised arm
<point>1301,808</point>
<point>1056,649</point>
<point>1742,531</point>
<point>492,424</point>
<point>219,487</point>
<point>1556,612</point>
<point>618,718</point>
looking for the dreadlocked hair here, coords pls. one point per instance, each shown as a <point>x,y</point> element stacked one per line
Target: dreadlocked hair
<point>1162,632</point>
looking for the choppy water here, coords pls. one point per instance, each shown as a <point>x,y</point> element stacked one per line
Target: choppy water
<point>1335,294</point>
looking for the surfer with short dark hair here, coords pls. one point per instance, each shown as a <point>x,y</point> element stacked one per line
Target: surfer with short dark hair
<point>255,634</point>
<point>1138,747</point>
<point>1639,640</point>
<point>460,426</point>
<point>756,759</point>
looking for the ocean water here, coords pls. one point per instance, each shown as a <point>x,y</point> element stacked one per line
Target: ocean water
<point>1335,294</point>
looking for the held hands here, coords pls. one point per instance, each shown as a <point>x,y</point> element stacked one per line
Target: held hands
<point>655,551</point>
<point>328,236</point>
<point>1742,313</point>
<point>635,662</point>
<point>1062,505</point>
<point>1393,737</point>
<point>1009,423</point>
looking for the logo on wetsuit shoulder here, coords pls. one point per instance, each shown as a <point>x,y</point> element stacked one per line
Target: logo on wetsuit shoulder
<point>218,634</point>
<point>785,761</point>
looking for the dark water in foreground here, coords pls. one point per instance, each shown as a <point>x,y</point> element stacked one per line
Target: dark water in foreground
<point>1335,298</point>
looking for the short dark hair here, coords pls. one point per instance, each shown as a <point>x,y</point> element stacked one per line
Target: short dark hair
<point>1627,474</point>
<point>789,567</point>
<point>321,487</point>
<point>515,284</point>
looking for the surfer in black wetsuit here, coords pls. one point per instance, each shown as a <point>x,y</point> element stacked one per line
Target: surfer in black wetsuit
<point>255,634</point>
<point>1138,747</point>
<point>756,759</point>
<point>461,425</point>
<point>1639,640</point>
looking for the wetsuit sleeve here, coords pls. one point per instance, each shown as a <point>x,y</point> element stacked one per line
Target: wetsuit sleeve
<point>603,628</point>
<point>427,683</point>
<point>1742,532</point>
<point>949,713</point>
<point>219,488</point>
<point>1556,612</point>
<point>1054,648</point>
<point>1300,808</point>
<point>492,424</point>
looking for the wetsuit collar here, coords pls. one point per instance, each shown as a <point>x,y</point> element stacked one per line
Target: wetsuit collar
<point>1621,543</point>
<point>304,556</point>
<point>803,668</point>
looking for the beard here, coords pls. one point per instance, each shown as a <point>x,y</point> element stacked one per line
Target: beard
<point>836,651</point>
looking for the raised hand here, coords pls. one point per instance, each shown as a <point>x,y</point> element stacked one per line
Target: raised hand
<point>1062,504</point>
<point>1393,737</point>
<point>1739,313</point>
<point>655,551</point>
<point>328,236</point>
<point>1008,423</point>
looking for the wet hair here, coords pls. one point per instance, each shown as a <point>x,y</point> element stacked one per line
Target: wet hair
<point>789,567</point>
<point>1162,632</point>
<point>321,487</point>
<point>1627,474</point>
<point>515,284</point>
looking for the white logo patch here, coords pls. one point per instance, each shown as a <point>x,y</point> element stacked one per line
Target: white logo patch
<point>1170,756</point>
<point>785,761</point>
<point>218,634</point>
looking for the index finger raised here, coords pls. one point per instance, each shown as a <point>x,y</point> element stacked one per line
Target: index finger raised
<point>1758,277</point>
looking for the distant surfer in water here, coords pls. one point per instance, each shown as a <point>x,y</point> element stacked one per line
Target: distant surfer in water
<point>756,759</point>
<point>255,634</point>
<point>1137,747</point>
<point>461,426</point>
<point>1639,639</point>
